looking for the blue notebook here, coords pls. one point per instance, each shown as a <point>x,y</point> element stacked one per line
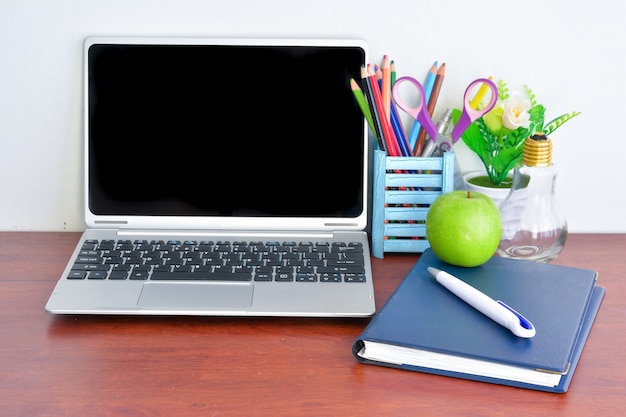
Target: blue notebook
<point>423,327</point>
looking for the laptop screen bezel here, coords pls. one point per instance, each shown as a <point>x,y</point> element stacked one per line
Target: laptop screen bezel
<point>170,222</point>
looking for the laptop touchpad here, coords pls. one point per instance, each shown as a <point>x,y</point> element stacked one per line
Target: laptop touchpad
<point>196,296</point>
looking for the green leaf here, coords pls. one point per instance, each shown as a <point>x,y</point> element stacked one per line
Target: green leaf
<point>475,140</point>
<point>505,158</point>
<point>536,119</point>
<point>554,124</point>
<point>531,96</point>
<point>516,138</point>
<point>503,90</point>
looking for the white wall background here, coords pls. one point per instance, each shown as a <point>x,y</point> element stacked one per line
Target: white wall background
<point>571,52</point>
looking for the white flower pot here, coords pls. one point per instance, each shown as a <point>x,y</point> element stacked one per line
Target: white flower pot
<point>496,194</point>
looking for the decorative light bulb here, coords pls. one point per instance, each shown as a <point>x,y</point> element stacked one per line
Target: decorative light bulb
<point>532,226</point>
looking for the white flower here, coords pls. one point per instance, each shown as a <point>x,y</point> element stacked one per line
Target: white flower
<point>516,109</point>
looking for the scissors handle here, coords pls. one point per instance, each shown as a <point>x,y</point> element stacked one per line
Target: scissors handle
<point>420,112</point>
<point>470,114</point>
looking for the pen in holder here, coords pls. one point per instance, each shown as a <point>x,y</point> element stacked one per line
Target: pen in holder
<point>403,190</point>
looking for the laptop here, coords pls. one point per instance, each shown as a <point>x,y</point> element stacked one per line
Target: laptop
<point>222,177</point>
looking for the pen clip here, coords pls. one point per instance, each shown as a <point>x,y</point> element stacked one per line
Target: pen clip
<point>522,327</point>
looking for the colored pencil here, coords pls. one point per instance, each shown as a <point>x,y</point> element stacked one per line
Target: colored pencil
<point>390,140</point>
<point>385,89</point>
<point>432,102</point>
<point>478,98</point>
<point>428,88</point>
<point>394,73</point>
<point>362,102</point>
<point>367,90</point>
<point>396,125</point>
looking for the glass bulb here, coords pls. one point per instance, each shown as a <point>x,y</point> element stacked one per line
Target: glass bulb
<point>532,226</point>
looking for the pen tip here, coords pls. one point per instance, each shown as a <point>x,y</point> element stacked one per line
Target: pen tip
<point>433,271</point>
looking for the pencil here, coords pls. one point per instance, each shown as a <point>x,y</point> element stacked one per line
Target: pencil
<point>432,102</point>
<point>394,73</point>
<point>367,90</point>
<point>396,125</point>
<point>390,141</point>
<point>478,98</point>
<point>428,88</point>
<point>362,102</point>
<point>385,90</point>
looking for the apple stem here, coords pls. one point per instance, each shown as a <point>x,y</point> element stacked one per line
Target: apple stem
<point>468,195</point>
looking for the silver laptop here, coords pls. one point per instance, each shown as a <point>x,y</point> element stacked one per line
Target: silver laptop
<point>222,177</point>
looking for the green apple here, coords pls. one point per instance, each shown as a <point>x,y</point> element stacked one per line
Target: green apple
<point>464,228</point>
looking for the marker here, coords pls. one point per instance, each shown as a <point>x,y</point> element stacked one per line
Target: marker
<point>497,311</point>
<point>441,142</point>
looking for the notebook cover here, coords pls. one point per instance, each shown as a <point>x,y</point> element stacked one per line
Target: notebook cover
<point>422,314</point>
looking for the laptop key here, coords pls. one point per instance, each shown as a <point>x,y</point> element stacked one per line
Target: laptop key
<point>354,277</point>
<point>118,275</point>
<point>97,275</point>
<point>263,276</point>
<point>330,277</point>
<point>306,277</point>
<point>343,262</point>
<point>344,269</point>
<point>201,276</point>
<point>139,275</point>
<point>284,277</point>
<point>89,259</point>
<point>77,274</point>
<point>90,267</point>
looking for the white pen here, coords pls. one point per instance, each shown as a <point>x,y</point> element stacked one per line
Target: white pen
<point>495,310</point>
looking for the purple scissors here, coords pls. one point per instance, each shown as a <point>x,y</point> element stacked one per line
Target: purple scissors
<point>420,113</point>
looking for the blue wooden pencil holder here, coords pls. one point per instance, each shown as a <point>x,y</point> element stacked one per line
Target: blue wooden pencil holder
<point>403,190</point>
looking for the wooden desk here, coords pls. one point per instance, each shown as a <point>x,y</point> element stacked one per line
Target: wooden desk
<point>194,366</point>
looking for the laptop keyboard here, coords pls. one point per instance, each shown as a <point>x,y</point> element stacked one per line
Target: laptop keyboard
<point>219,261</point>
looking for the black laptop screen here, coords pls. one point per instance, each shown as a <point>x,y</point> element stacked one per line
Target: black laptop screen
<point>223,130</point>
